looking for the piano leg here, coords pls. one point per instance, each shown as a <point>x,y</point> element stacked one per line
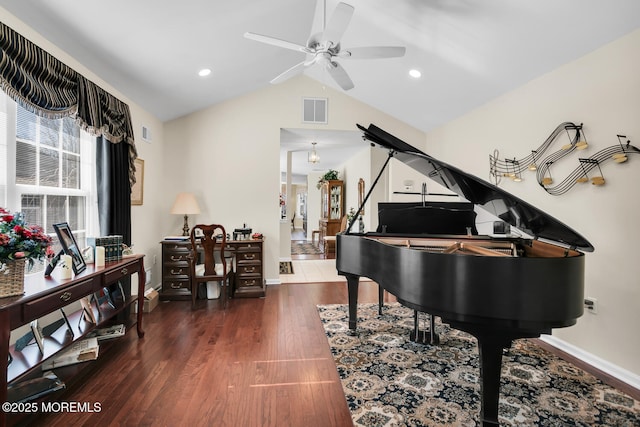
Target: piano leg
<point>380,299</point>
<point>352,284</point>
<point>491,344</point>
<point>490,347</point>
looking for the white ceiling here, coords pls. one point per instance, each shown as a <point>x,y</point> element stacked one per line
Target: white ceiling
<point>469,51</point>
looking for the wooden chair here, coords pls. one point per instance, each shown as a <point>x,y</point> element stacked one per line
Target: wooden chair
<point>216,265</point>
<point>329,242</point>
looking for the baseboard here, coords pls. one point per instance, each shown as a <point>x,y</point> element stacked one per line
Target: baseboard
<point>615,371</point>
<point>272,282</point>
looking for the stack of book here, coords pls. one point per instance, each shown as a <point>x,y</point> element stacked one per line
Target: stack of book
<point>112,246</point>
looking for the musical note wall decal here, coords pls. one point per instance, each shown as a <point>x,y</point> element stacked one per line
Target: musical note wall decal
<point>512,168</point>
<point>504,168</point>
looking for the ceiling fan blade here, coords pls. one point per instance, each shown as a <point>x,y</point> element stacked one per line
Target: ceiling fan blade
<point>276,42</point>
<point>296,69</point>
<point>338,23</point>
<point>373,52</point>
<point>340,75</point>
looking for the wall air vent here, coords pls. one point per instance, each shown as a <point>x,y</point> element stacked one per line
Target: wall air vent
<point>314,110</point>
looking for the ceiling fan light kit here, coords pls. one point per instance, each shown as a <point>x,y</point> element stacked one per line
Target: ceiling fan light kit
<point>323,48</point>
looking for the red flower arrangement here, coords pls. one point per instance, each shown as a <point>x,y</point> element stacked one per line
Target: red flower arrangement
<point>21,241</point>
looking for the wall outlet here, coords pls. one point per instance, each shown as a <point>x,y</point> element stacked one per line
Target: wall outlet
<point>591,305</point>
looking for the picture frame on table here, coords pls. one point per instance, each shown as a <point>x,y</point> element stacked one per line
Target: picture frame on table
<point>70,246</point>
<point>37,335</point>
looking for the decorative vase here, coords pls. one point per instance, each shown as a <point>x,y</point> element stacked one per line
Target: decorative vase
<point>12,278</point>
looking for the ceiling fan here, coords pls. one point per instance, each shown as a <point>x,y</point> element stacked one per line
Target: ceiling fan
<point>324,47</point>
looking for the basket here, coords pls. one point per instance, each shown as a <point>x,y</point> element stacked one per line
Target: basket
<point>12,278</point>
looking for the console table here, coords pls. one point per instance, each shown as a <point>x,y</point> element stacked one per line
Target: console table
<point>44,295</point>
<point>248,266</point>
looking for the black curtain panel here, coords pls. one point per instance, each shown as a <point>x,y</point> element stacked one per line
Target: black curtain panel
<point>114,189</point>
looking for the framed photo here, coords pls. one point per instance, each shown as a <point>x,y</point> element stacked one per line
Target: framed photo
<point>87,308</point>
<point>137,190</point>
<point>69,246</point>
<point>66,320</point>
<point>37,335</point>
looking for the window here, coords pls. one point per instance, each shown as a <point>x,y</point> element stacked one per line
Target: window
<point>49,170</point>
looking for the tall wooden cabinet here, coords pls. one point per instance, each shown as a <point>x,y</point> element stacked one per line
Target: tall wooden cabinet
<point>332,207</point>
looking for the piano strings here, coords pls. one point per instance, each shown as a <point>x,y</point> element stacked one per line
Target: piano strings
<point>449,246</point>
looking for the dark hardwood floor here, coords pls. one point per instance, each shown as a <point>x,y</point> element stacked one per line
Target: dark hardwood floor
<point>262,362</point>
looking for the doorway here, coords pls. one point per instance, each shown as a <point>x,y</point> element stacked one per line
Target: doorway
<point>302,244</point>
<point>301,214</point>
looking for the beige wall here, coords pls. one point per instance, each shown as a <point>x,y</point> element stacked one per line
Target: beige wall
<point>358,166</point>
<point>601,90</point>
<point>229,155</point>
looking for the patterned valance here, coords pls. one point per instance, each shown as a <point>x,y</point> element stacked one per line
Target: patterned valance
<point>42,84</point>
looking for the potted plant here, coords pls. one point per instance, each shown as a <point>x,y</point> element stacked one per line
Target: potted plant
<point>19,244</point>
<point>330,175</point>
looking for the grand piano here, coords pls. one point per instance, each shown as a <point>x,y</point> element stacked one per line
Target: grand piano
<point>431,258</point>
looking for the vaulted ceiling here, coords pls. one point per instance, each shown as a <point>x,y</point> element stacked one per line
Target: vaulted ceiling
<point>468,51</point>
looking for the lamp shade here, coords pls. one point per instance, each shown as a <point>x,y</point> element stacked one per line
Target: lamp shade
<point>185,204</point>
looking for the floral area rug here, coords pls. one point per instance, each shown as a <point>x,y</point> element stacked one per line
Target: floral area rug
<point>302,247</point>
<point>390,381</point>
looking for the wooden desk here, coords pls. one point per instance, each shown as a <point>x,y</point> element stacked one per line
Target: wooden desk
<point>46,295</point>
<point>248,266</point>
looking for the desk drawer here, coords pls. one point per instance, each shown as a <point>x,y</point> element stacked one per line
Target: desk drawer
<point>124,271</point>
<point>176,247</point>
<point>248,256</point>
<point>175,270</point>
<point>249,269</point>
<point>176,257</point>
<point>41,306</point>
<point>174,284</point>
<point>248,282</point>
<point>248,247</point>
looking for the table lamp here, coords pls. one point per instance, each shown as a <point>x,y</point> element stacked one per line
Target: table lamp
<point>186,205</point>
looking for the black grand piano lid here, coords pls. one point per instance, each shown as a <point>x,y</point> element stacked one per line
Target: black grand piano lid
<point>487,196</point>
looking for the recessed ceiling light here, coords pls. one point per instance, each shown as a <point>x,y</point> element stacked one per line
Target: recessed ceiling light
<point>415,73</point>
<point>204,72</point>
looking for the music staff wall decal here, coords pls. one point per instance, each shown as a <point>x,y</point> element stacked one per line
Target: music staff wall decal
<point>542,164</point>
